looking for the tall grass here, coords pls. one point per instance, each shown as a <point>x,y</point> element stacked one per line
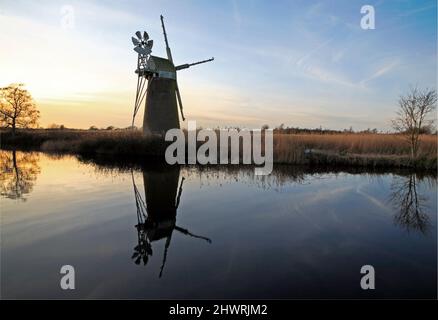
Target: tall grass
<point>364,149</point>
<point>126,143</point>
<point>117,142</point>
<point>346,143</point>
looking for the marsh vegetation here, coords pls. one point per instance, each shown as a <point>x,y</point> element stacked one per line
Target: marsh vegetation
<point>356,149</point>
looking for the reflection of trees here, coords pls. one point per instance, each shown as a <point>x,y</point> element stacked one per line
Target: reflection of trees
<point>410,204</point>
<point>19,170</point>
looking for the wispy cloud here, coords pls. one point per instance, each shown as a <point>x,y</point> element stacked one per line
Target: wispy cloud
<point>236,14</point>
<point>309,57</point>
<point>306,57</point>
<point>381,71</point>
<point>323,75</point>
<point>314,70</point>
<point>418,10</point>
<point>338,55</point>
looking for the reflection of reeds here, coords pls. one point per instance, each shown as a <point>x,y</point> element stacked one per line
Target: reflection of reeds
<point>365,149</point>
<point>281,175</point>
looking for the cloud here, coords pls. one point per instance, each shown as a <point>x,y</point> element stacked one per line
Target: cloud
<point>381,71</point>
<point>305,60</point>
<point>306,57</point>
<point>236,14</point>
<point>321,74</point>
<point>55,62</point>
<point>338,55</point>
<point>418,10</point>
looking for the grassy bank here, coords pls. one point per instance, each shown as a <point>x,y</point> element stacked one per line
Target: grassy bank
<point>86,142</point>
<point>364,149</point>
<point>341,149</point>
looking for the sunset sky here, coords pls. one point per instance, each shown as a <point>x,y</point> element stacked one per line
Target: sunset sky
<point>301,63</point>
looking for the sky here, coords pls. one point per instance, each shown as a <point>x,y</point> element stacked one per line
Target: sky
<point>300,63</point>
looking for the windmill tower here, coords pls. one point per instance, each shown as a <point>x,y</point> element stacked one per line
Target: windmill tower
<point>161,92</point>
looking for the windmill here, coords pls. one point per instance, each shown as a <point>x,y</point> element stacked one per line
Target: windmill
<point>161,92</point>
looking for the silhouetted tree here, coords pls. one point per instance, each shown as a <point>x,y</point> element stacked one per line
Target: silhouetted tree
<point>53,126</point>
<point>17,108</point>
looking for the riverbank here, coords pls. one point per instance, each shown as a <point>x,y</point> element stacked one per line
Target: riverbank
<point>345,149</point>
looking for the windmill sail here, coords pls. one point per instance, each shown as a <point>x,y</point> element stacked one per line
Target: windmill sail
<point>169,54</point>
<point>178,95</point>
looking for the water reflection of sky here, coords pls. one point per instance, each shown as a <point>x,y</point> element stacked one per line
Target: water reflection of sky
<point>294,234</point>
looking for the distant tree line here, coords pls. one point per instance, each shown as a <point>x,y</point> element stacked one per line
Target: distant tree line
<point>55,126</point>
<point>282,129</point>
<point>415,116</point>
<point>110,128</point>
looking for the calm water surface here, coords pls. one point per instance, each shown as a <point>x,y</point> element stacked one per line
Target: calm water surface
<point>213,233</point>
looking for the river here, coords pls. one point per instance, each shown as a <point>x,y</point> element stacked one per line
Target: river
<point>160,232</point>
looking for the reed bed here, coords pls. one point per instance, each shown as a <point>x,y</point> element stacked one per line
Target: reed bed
<point>295,148</point>
<point>355,149</point>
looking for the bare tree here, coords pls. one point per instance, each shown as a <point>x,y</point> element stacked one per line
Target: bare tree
<point>17,108</point>
<point>415,115</point>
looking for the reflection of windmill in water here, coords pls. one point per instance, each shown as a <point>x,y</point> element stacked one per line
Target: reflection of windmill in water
<point>161,91</point>
<point>157,215</point>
